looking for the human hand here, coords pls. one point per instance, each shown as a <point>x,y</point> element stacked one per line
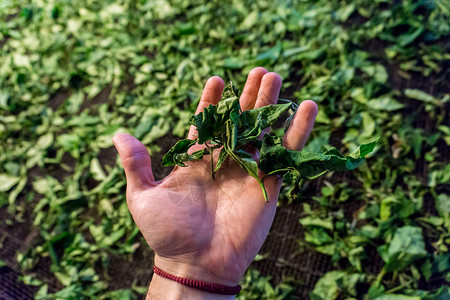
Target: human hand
<point>203,228</point>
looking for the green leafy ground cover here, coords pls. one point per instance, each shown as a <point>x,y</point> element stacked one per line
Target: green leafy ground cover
<point>73,73</point>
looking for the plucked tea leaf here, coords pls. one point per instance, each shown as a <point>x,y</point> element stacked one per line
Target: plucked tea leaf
<point>420,95</point>
<point>364,149</point>
<point>7,182</point>
<point>251,167</point>
<point>443,205</point>
<point>212,121</point>
<point>205,123</point>
<point>227,126</point>
<point>222,158</point>
<point>384,103</point>
<point>252,122</point>
<point>178,152</point>
<point>274,158</point>
<point>335,282</point>
<point>406,247</point>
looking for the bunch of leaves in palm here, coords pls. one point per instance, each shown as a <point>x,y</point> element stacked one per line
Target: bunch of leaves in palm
<point>232,130</point>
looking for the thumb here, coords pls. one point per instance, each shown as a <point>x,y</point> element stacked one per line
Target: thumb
<point>135,160</point>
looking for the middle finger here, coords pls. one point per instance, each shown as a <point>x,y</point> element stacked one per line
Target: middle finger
<point>269,90</point>
<point>251,88</point>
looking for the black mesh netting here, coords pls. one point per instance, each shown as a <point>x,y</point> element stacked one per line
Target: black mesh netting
<point>10,288</point>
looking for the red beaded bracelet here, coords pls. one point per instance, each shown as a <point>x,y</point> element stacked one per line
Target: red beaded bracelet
<point>200,285</point>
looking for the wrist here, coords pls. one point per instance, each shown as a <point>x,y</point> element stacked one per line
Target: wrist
<point>165,289</point>
<point>196,271</point>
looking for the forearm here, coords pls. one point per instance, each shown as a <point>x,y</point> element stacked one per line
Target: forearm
<point>165,289</point>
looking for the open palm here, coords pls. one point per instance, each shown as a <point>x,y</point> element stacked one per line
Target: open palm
<point>204,228</point>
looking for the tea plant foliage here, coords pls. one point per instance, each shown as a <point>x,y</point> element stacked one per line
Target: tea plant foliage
<point>74,73</point>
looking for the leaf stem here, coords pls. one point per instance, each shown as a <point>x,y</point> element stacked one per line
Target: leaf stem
<point>380,277</point>
<point>295,105</point>
<point>211,151</point>
<point>276,171</point>
<point>401,286</point>
<point>241,163</point>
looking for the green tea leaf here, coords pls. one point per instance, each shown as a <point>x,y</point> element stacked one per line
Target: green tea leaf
<point>211,122</point>
<point>384,104</point>
<point>7,182</point>
<point>326,287</point>
<point>364,149</point>
<point>406,247</point>
<point>45,141</point>
<point>335,283</point>
<point>419,95</point>
<point>222,158</point>
<point>274,158</point>
<point>96,170</point>
<point>246,162</point>
<point>205,123</point>
<point>171,158</point>
<point>181,157</point>
<point>252,122</point>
